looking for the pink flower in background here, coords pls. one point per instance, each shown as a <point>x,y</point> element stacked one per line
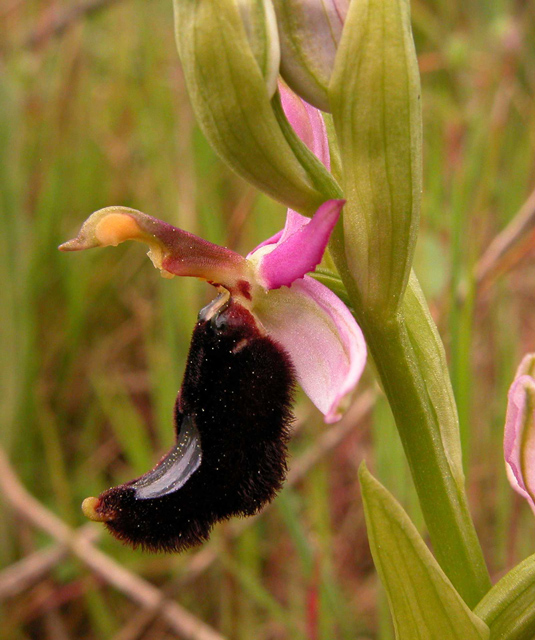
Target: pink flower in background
<point>519,438</point>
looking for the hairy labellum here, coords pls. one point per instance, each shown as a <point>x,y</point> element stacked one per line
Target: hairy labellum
<point>232,417</point>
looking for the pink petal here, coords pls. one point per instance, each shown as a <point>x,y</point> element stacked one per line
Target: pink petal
<point>519,438</point>
<point>321,337</point>
<point>273,240</point>
<point>174,251</point>
<point>301,246</point>
<point>307,122</point>
<point>294,221</point>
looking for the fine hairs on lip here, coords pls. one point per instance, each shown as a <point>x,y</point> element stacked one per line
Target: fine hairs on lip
<point>232,419</point>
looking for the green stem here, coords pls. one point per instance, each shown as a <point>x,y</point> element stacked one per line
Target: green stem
<point>410,361</point>
<point>443,502</point>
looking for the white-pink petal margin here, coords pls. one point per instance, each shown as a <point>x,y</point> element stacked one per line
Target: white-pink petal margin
<point>325,344</point>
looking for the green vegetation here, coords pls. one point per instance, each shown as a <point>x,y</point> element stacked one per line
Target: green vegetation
<point>92,346</point>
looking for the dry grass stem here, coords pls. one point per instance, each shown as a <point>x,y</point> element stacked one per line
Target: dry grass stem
<point>509,246</point>
<point>24,574</point>
<point>113,573</point>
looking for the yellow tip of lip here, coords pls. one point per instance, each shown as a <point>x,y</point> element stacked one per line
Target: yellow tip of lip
<point>115,228</point>
<point>89,508</point>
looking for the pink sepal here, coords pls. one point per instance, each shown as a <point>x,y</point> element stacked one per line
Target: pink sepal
<point>323,340</point>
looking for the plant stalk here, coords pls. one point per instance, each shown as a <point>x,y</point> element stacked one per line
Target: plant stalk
<point>410,361</point>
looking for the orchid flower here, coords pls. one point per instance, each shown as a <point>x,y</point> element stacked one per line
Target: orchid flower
<point>519,438</point>
<point>270,323</point>
<point>312,325</point>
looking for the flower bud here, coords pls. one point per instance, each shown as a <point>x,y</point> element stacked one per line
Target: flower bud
<point>519,437</point>
<point>310,31</point>
<point>230,57</point>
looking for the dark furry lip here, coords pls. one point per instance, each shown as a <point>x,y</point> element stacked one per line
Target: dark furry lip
<point>232,418</point>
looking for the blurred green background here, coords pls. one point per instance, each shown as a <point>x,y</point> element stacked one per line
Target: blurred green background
<point>93,345</point>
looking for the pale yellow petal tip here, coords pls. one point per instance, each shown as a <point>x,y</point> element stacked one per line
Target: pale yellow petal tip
<point>89,508</point>
<point>105,228</point>
<point>71,245</point>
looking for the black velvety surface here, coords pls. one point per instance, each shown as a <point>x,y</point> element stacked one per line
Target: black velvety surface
<point>237,389</point>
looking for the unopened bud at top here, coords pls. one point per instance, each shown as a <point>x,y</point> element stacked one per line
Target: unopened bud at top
<point>309,32</point>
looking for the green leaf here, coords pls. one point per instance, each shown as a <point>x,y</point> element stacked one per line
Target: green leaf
<point>508,607</point>
<point>423,602</point>
<point>437,470</point>
<point>375,100</point>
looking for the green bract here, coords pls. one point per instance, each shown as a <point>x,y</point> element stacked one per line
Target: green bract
<point>375,101</point>
<point>230,52</point>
